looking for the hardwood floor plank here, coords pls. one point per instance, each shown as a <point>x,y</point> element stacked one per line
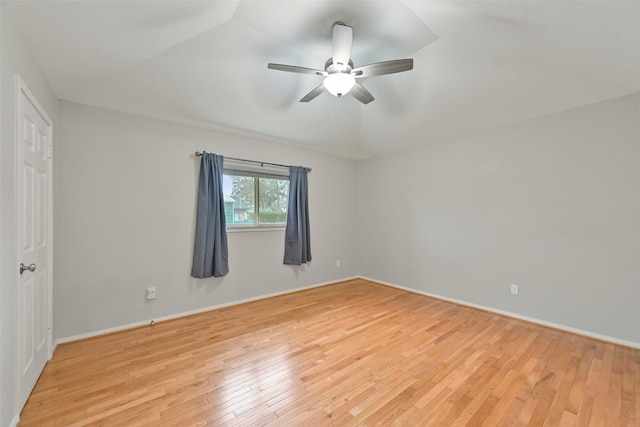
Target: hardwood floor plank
<point>354,353</point>
<point>505,394</point>
<point>630,391</point>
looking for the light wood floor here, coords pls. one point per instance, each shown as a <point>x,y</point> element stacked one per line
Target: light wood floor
<point>354,353</point>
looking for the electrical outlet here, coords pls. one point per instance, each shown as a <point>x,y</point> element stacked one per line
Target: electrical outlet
<point>151,292</point>
<point>514,289</point>
<point>338,263</point>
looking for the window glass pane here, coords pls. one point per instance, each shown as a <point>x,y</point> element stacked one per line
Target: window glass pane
<point>253,200</point>
<point>239,200</point>
<point>273,199</point>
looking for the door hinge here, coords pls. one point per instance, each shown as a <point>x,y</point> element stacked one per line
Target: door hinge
<point>50,151</point>
<point>49,323</point>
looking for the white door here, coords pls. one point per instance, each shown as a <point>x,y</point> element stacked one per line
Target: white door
<point>34,239</point>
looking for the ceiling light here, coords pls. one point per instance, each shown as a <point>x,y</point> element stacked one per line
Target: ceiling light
<point>339,84</point>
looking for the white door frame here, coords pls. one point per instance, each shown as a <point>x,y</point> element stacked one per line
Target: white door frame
<point>21,88</point>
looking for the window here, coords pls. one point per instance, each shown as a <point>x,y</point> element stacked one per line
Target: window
<point>255,199</point>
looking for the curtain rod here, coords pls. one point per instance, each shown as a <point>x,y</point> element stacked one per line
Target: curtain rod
<point>198,154</point>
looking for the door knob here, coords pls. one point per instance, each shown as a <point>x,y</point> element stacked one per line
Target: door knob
<point>23,267</point>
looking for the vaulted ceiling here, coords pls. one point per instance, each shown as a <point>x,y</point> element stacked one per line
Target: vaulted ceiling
<point>477,64</point>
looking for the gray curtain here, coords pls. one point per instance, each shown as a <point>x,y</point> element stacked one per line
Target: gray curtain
<point>297,245</point>
<point>210,251</point>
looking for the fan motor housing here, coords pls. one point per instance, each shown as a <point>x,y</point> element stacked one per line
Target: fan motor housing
<point>332,68</point>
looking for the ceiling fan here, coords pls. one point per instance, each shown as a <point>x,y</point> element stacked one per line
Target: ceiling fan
<point>339,73</point>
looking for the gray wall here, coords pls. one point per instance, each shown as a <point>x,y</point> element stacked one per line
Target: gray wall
<point>125,193</point>
<point>551,204</point>
<point>15,60</point>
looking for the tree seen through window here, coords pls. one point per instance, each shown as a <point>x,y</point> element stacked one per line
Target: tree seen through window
<point>255,200</point>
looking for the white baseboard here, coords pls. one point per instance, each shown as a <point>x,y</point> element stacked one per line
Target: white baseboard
<point>53,349</point>
<point>188,313</point>
<point>15,421</point>
<point>440,297</point>
<point>514,315</point>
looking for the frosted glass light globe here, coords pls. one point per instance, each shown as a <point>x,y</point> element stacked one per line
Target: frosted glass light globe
<point>339,84</point>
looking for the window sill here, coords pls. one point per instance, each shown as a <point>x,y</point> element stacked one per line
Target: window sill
<point>250,229</point>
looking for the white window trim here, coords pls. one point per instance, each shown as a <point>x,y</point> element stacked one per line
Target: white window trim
<point>258,171</point>
<point>252,228</point>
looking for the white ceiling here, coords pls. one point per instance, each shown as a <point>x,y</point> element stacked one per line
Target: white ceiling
<point>477,64</point>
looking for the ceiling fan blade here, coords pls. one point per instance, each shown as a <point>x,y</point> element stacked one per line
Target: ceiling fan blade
<point>361,94</point>
<point>295,69</point>
<point>313,94</point>
<point>342,41</point>
<point>384,67</point>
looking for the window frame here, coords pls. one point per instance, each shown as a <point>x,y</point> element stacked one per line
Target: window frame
<point>256,175</point>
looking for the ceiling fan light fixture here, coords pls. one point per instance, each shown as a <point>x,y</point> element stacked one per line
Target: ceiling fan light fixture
<point>339,72</point>
<point>339,84</point>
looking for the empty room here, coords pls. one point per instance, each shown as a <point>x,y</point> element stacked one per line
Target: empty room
<point>320,213</point>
